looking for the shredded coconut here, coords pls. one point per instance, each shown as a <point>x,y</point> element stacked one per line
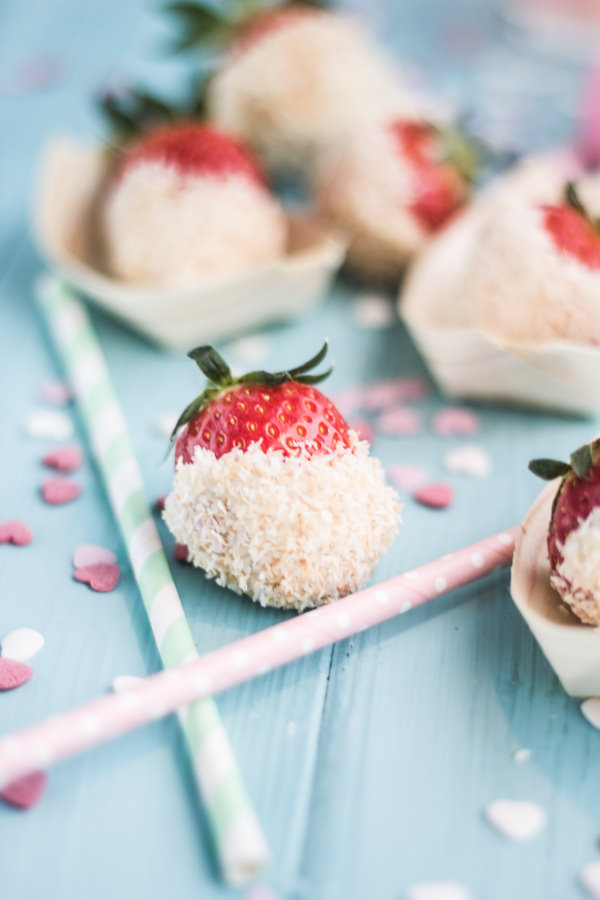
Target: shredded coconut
<point>163,228</point>
<point>291,532</point>
<point>364,187</point>
<point>520,289</point>
<point>303,85</point>
<point>577,577</point>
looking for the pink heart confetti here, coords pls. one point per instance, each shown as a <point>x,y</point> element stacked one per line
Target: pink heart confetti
<point>92,555</point>
<point>382,394</point>
<point>401,422</point>
<point>101,577</point>
<point>407,478</point>
<point>55,392</point>
<point>25,792</point>
<point>181,553</point>
<point>455,421</point>
<point>363,430</point>
<point>60,490</point>
<point>437,495</point>
<point>348,400</point>
<point>15,532</point>
<point>13,673</point>
<point>65,459</point>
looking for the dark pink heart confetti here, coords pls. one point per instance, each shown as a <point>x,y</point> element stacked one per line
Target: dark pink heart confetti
<point>181,553</point>
<point>100,577</point>
<point>60,490</point>
<point>363,430</point>
<point>65,459</point>
<point>438,495</point>
<point>15,532</point>
<point>25,792</point>
<point>454,422</point>
<point>13,673</point>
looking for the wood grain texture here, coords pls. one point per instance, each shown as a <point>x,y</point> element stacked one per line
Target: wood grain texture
<point>370,764</point>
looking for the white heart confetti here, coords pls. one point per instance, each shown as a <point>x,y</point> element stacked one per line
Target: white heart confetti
<point>48,423</point>
<point>21,644</point>
<point>591,710</point>
<point>165,423</point>
<point>250,349</point>
<point>518,820</point>
<point>437,890</point>
<point>470,459</point>
<point>371,311</point>
<point>522,755</point>
<point>590,878</point>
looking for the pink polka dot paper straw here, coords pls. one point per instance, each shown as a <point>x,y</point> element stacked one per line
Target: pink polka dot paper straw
<point>64,735</point>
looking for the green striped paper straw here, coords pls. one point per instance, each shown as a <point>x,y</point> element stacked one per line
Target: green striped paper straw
<point>239,840</point>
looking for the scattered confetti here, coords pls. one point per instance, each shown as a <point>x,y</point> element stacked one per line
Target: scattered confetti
<point>50,424</point>
<point>56,392</point>
<point>518,820</point>
<point>522,755</point>
<point>181,553</point>
<point>407,478</point>
<point>401,422</point>
<point>159,503</point>
<point>21,644</point>
<point>373,312</point>
<point>125,682</point>
<point>590,878</point>
<point>438,495</point>
<point>251,349</point>
<point>437,890</point>
<point>15,532</point>
<point>166,422</point>
<point>454,422</point>
<point>591,710</point>
<point>13,673</point>
<point>348,401</point>
<point>383,394</point>
<point>65,459</point>
<point>470,459</point>
<point>92,555</point>
<point>101,577</point>
<point>25,792</point>
<point>589,137</point>
<point>363,430</point>
<point>37,74</point>
<point>57,491</point>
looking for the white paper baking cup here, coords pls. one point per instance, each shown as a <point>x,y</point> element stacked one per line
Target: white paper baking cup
<point>571,648</point>
<point>70,177</point>
<point>466,362</point>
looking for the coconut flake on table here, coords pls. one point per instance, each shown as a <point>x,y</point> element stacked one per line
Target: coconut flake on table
<point>470,459</point>
<point>370,311</point>
<point>251,349</point>
<point>21,644</point>
<point>313,528</point>
<point>165,423</point>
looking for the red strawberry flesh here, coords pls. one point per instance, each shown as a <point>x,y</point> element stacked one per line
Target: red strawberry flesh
<point>438,190</point>
<point>192,149</point>
<point>577,498</point>
<point>573,234</point>
<point>290,418</point>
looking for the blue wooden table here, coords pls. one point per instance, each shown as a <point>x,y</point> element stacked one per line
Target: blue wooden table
<point>370,764</point>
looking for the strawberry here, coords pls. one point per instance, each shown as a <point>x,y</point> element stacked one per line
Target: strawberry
<point>441,169</point>
<point>576,500</point>
<point>193,149</point>
<point>279,411</point>
<point>572,230</point>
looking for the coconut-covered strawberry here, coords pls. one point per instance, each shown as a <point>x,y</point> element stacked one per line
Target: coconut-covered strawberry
<point>534,272</point>
<point>389,187</point>
<point>185,204</point>
<point>294,76</point>
<point>274,495</point>
<point>574,532</point>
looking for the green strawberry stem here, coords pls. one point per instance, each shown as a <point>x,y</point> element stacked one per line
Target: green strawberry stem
<point>580,462</point>
<point>218,373</point>
<point>572,199</point>
<point>133,111</point>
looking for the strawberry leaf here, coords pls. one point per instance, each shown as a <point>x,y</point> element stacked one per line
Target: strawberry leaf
<point>549,469</point>
<point>582,461</point>
<point>212,365</point>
